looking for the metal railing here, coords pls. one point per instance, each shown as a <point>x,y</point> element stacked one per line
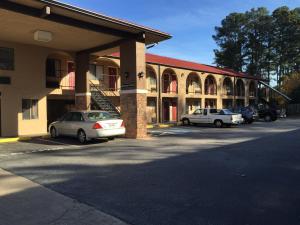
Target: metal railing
<point>103,93</point>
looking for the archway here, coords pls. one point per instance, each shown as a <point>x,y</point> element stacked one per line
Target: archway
<point>227,86</point>
<point>210,85</point>
<point>193,84</point>
<point>240,88</point>
<point>151,80</point>
<point>252,89</point>
<point>169,81</point>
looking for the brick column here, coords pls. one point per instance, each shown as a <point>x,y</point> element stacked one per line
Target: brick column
<point>82,86</point>
<point>133,88</point>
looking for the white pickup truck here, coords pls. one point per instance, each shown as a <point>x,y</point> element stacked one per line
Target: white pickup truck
<point>219,118</point>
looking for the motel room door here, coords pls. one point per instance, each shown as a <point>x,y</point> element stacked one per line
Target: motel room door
<point>166,111</point>
<point>174,111</point>
<point>112,73</point>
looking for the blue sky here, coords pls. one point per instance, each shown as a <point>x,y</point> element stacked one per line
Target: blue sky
<point>190,22</point>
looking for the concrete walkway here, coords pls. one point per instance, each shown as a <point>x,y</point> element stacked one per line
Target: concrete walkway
<point>23,202</point>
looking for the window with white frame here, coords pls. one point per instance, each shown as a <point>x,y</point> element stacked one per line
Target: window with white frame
<point>96,72</point>
<point>30,109</point>
<point>53,67</point>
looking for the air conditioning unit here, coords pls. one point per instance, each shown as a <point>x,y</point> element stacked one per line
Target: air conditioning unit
<point>43,36</point>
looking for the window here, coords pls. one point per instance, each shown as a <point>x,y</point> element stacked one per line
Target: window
<point>77,117</point>
<point>67,117</point>
<point>53,68</point>
<point>198,111</point>
<point>96,72</point>
<point>96,116</point>
<point>30,109</point>
<point>7,59</point>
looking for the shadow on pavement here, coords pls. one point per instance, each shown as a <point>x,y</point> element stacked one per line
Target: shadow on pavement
<point>254,182</point>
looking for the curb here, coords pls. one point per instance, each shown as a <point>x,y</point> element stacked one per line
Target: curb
<point>18,139</point>
<point>151,126</point>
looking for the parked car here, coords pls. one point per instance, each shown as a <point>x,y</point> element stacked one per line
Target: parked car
<point>267,112</point>
<point>87,125</point>
<point>248,113</point>
<point>219,118</point>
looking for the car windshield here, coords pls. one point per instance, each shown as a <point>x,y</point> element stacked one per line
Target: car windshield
<point>96,116</point>
<point>226,112</point>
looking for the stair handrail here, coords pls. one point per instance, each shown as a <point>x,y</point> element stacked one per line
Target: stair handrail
<point>104,95</point>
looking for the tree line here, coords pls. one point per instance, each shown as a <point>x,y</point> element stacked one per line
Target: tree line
<point>260,43</point>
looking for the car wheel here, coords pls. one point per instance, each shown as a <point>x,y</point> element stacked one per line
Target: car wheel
<point>218,124</point>
<point>81,137</point>
<point>267,118</point>
<point>250,121</point>
<point>111,138</point>
<point>186,122</point>
<point>53,132</point>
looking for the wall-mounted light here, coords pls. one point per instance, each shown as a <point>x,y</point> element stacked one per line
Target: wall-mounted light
<point>141,74</point>
<point>43,36</point>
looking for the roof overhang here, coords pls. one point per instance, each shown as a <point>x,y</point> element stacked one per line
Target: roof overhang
<point>73,28</point>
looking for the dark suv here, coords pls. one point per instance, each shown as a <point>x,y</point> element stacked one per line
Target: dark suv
<point>267,112</point>
<point>248,114</point>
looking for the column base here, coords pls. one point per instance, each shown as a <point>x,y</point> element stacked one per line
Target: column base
<point>133,112</point>
<point>83,102</point>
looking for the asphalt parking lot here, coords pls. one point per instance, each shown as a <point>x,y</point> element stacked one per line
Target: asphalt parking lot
<point>185,175</point>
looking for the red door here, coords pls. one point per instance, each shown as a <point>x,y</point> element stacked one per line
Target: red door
<point>71,75</point>
<point>174,84</point>
<point>112,72</point>
<point>174,111</point>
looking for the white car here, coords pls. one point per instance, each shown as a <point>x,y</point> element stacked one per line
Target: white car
<point>219,118</point>
<point>87,125</point>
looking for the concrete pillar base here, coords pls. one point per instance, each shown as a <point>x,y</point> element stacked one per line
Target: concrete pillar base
<point>83,102</point>
<point>134,114</point>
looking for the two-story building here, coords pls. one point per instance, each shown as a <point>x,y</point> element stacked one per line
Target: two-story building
<point>55,57</point>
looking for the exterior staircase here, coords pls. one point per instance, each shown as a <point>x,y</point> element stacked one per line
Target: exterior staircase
<point>101,101</point>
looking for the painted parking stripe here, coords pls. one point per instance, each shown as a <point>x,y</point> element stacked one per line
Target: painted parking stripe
<point>59,143</point>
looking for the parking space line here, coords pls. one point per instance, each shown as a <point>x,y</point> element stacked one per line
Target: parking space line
<point>59,143</point>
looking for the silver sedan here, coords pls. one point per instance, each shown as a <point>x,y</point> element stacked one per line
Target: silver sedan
<point>87,125</point>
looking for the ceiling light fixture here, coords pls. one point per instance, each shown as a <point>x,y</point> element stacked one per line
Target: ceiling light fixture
<point>43,36</point>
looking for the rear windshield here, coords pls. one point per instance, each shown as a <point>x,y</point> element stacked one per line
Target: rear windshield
<point>96,116</point>
<point>226,112</point>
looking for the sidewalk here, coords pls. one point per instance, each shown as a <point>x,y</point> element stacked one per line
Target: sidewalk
<point>23,202</point>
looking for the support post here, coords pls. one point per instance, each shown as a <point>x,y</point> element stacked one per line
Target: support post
<point>82,86</point>
<point>133,88</point>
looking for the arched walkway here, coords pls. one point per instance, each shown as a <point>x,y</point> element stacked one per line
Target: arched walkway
<point>240,88</point>
<point>60,71</point>
<point>227,86</point>
<point>193,84</point>
<point>210,85</point>
<point>252,89</point>
<point>151,79</point>
<point>169,81</point>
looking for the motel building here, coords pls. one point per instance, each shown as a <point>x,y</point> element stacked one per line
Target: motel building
<point>55,58</point>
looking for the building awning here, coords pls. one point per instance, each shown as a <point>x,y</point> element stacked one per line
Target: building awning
<point>73,29</point>
<point>273,89</point>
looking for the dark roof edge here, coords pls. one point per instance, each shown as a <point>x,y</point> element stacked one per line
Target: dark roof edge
<point>106,18</point>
